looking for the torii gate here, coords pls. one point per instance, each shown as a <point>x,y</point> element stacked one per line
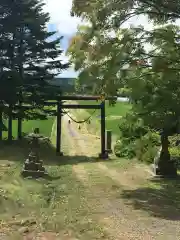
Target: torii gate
<point>101,106</point>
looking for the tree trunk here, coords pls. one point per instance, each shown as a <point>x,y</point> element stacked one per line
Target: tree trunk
<point>20,117</point>
<point>21,73</point>
<point>10,118</point>
<point>10,124</point>
<point>1,124</point>
<point>166,167</point>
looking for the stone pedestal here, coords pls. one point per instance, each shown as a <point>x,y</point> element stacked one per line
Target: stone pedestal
<point>104,156</point>
<point>33,167</point>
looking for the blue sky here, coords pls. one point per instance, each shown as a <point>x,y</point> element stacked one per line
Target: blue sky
<point>64,24</point>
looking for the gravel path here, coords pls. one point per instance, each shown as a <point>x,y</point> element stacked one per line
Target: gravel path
<point>119,219</point>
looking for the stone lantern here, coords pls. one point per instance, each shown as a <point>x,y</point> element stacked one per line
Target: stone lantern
<point>33,166</point>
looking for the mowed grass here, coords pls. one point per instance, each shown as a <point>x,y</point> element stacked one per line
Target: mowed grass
<point>57,206</point>
<point>119,109</point>
<point>45,126</point>
<point>79,204</point>
<point>113,114</point>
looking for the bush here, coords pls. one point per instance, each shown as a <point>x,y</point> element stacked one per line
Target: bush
<point>174,140</point>
<point>175,152</point>
<point>132,127</point>
<point>136,140</point>
<point>124,149</point>
<point>146,147</point>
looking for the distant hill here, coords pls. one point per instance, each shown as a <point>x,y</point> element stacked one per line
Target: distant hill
<point>66,84</point>
<point>63,81</point>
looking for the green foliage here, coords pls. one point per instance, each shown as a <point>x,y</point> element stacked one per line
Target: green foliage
<point>105,14</point>
<point>146,147</point>
<point>149,76</point>
<point>105,60</point>
<point>28,61</point>
<point>28,57</point>
<point>139,142</point>
<point>175,152</point>
<point>136,140</point>
<point>174,148</point>
<point>132,127</point>
<point>124,148</point>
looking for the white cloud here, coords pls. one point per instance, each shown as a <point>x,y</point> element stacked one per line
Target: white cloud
<point>66,25</point>
<point>59,11</point>
<point>61,21</point>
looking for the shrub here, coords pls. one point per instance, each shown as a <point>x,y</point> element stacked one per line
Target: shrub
<point>136,140</point>
<point>124,149</point>
<point>175,152</point>
<point>146,147</point>
<point>174,140</point>
<point>132,127</point>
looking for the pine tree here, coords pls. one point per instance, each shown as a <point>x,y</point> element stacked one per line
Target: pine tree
<point>29,60</point>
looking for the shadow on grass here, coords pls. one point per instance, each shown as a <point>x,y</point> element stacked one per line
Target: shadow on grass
<point>161,199</point>
<point>19,150</point>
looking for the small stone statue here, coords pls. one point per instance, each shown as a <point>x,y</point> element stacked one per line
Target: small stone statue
<point>33,166</point>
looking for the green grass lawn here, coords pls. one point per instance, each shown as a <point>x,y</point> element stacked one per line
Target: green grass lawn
<point>83,198</point>
<point>119,109</point>
<point>113,114</point>
<point>113,125</point>
<point>45,127</point>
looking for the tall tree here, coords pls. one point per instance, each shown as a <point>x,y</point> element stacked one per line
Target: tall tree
<point>113,13</point>
<point>146,63</point>
<point>156,99</point>
<point>103,59</point>
<point>30,55</point>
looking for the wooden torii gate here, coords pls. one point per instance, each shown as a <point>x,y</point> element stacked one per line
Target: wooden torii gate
<point>101,106</point>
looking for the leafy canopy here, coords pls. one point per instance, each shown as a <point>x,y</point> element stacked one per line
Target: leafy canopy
<point>144,62</point>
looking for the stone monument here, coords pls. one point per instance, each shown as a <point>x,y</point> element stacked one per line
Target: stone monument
<point>33,166</point>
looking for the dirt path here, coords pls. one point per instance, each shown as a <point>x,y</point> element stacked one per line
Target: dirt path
<point>119,219</point>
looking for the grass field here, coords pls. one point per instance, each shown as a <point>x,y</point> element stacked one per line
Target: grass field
<point>119,109</point>
<point>113,114</point>
<point>85,199</point>
<point>45,127</point>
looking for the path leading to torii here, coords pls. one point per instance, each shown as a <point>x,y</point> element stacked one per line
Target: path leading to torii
<point>119,219</point>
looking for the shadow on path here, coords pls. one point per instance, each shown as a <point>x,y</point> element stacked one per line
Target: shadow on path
<point>18,151</point>
<point>161,199</point>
